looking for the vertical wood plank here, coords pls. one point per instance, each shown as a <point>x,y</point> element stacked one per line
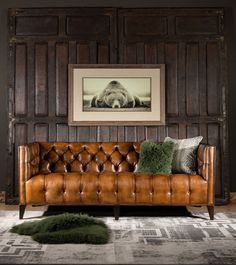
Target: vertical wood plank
<point>192,130</point>
<point>150,53</point>
<point>203,132</point>
<point>41,132</point>
<point>173,131</point>
<point>140,132</point>
<point>83,133</point>
<point>161,52</point>
<point>61,78</point>
<point>62,132</point>
<point>113,133</point>
<point>130,54</point>
<point>103,54</point>
<point>121,134</point>
<point>83,53</point>
<point>41,77</point>
<point>182,131</point>
<point>72,52</point>
<point>93,134</point>
<point>72,133</point>
<point>93,48</point>
<point>20,83</point>
<point>103,134</point>
<point>162,133</point>
<point>140,53</point>
<point>130,134</point>
<point>151,133</point>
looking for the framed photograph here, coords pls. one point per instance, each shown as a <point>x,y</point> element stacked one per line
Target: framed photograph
<point>116,94</point>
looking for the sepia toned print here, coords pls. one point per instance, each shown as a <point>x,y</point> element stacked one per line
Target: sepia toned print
<point>108,94</point>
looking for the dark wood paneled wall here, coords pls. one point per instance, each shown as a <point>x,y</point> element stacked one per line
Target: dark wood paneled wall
<point>190,42</point>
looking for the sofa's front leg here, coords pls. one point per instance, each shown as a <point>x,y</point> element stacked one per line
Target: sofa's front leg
<point>211,211</point>
<point>21,211</point>
<point>117,212</point>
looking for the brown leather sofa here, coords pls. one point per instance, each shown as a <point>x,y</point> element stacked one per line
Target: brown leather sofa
<point>85,173</point>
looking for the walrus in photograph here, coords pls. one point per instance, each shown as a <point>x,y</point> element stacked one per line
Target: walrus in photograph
<point>116,96</point>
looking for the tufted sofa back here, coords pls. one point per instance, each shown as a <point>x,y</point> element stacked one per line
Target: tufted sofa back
<point>85,156</point>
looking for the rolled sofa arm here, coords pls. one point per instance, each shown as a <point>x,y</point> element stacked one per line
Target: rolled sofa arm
<point>206,158</point>
<point>28,165</point>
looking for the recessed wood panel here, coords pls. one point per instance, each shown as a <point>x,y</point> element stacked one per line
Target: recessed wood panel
<point>21,133</point>
<point>171,60</point>
<point>61,78</point>
<point>21,80</point>
<point>192,79</point>
<point>41,78</point>
<point>213,78</point>
<point>37,25</point>
<point>145,25</point>
<point>197,25</point>
<point>95,26</point>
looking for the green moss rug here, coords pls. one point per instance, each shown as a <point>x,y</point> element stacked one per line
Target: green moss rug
<point>65,228</point>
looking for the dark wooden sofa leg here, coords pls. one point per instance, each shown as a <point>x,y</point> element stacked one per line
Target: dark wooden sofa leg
<point>21,211</point>
<point>117,212</point>
<point>211,211</point>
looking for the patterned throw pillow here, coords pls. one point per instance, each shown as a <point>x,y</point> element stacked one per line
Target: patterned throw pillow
<point>185,154</point>
<point>155,157</point>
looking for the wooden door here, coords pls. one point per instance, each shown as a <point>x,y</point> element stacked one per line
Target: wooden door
<point>190,42</point>
<point>42,44</point>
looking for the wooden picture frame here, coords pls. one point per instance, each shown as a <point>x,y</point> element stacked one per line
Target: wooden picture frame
<point>116,94</point>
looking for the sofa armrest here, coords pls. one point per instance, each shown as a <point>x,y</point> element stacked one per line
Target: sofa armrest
<point>206,158</point>
<point>28,165</point>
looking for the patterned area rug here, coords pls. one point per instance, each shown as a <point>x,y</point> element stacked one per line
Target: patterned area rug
<point>133,240</point>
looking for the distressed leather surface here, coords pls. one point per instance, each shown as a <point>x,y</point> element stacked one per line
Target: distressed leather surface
<point>103,173</point>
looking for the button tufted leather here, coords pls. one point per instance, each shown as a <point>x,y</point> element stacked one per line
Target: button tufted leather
<point>104,174</point>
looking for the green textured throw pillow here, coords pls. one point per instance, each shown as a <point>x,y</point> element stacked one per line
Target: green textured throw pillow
<point>155,157</point>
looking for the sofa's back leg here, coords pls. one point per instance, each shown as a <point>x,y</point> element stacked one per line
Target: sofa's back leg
<point>117,211</point>
<point>211,211</point>
<point>21,211</point>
